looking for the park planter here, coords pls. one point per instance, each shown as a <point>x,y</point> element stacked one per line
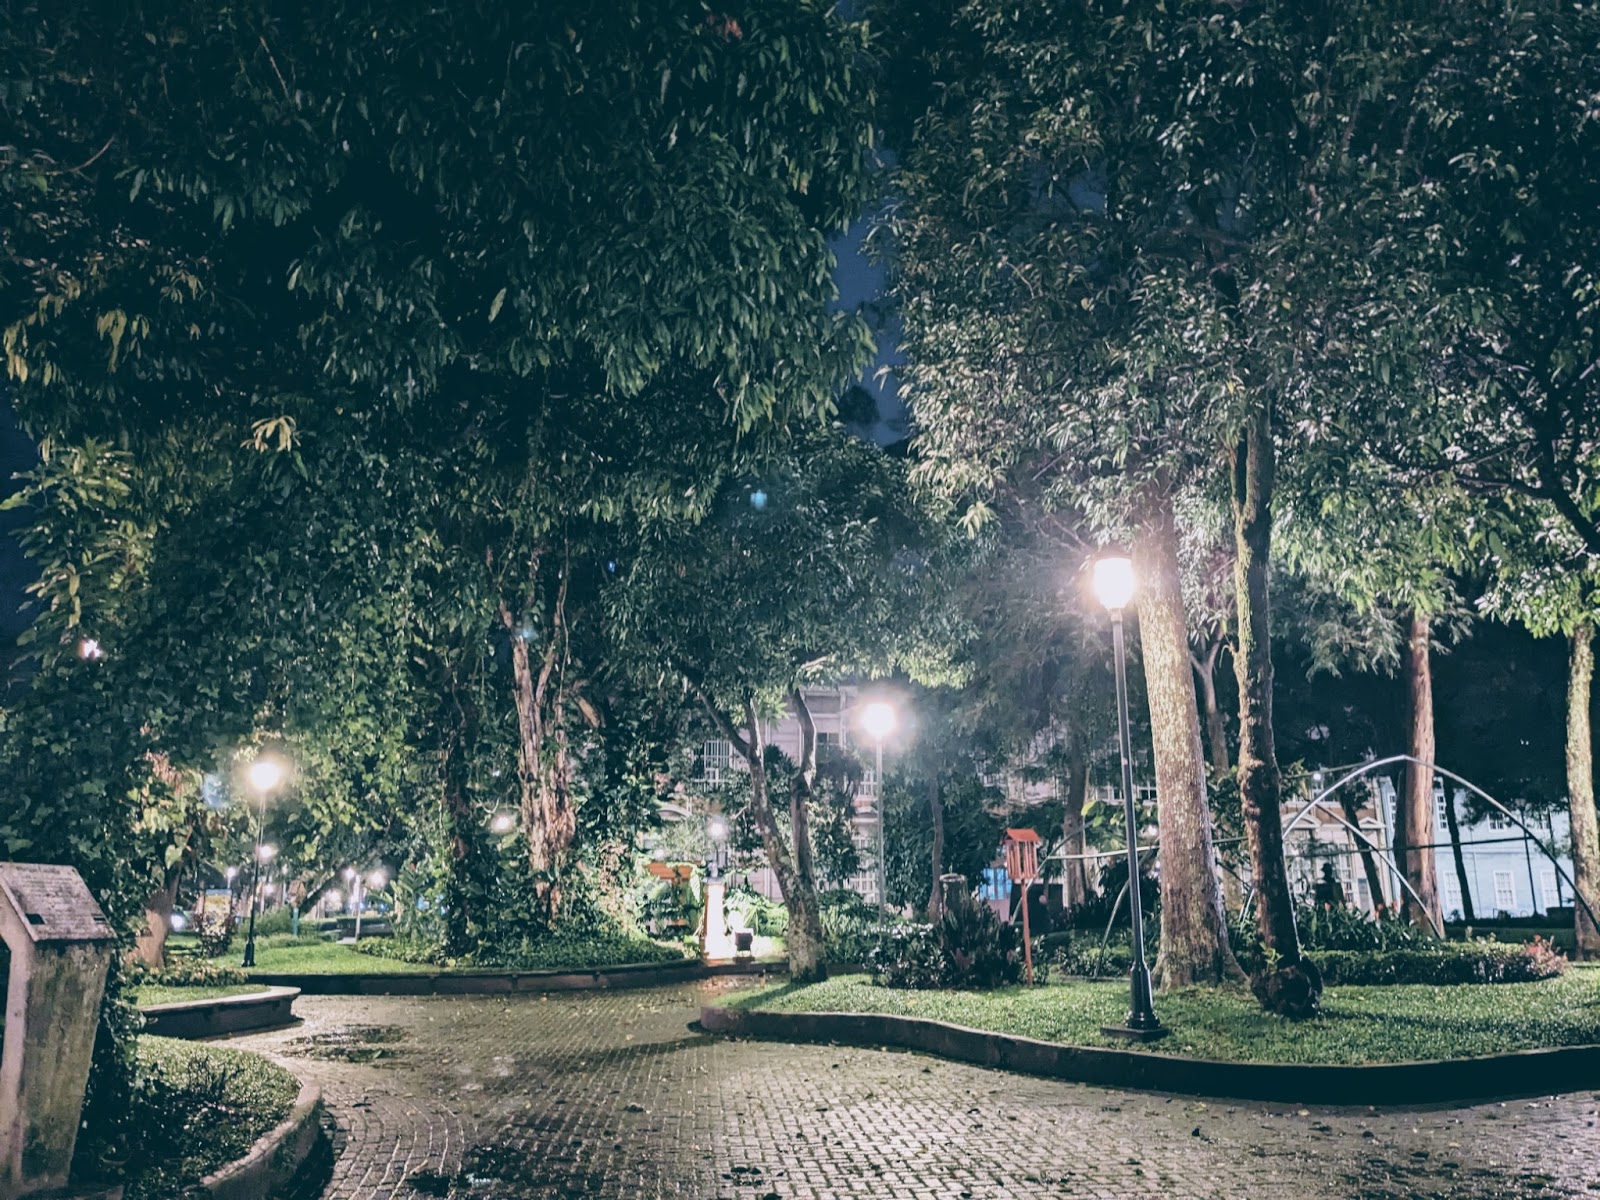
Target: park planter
<point>1457,1081</point>
<point>221,1016</point>
<point>479,983</point>
<point>277,1157</point>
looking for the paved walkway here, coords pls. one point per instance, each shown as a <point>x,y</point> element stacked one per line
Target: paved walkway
<point>611,1095</point>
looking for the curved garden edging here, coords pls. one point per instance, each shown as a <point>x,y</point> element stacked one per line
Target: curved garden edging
<point>1524,1072</point>
<point>223,1015</point>
<point>277,1156</point>
<point>478,983</point>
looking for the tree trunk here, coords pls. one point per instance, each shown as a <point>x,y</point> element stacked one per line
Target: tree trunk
<point>459,718</point>
<point>1292,987</point>
<point>544,767</point>
<point>1194,937</point>
<point>1075,870</point>
<point>150,947</point>
<point>800,790</point>
<point>1205,671</point>
<point>1580,788</point>
<point>1417,862</point>
<point>936,857</point>
<point>1453,824</point>
<point>1369,860</point>
<point>804,937</point>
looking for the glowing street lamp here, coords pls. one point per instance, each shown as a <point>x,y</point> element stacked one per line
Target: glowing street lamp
<point>503,823</point>
<point>717,831</point>
<point>879,719</point>
<point>1114,585</point>
<point>263,775</point>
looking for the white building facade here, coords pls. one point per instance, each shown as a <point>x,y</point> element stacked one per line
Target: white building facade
<point>1508,873</point>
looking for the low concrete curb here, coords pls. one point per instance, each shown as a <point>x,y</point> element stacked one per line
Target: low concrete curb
<point>478,983</point>
<point>1523,1073</point>
<point>276,1157</point>
<point>218,1017</point>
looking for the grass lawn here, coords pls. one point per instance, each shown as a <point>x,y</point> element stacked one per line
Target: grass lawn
<point>330,958</point>
<point>155,993</point>
<point>1359,1024</point>
<point>197,1108</point>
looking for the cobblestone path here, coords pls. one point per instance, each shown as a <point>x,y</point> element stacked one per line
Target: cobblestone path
<point>611,1095</point>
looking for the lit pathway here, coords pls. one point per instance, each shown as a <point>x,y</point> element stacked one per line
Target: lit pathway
<point>611,1095</point>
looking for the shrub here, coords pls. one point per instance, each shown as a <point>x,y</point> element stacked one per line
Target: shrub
<point>767,918</point>
<point>1083,957</point>
<point>1339,928</point>
<point>1443,963</point>
<point>274,920</point>
<point>969,947</point>
<point>850,927</point>
<point>983,951</point>
<point>567,950</point>
<point>185,972</point>
<point>910,956</point>
<point>213,932</point>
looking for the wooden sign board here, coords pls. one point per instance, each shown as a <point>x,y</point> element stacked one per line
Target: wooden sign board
<point>1022,855</point>
<point>53,903</point>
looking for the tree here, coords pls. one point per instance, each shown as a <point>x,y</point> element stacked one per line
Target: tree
<point>1547,582</point>
<point>1103,259</point>
<point>1477,264</point>
<point>417,234</point>
<point>944,820</point>
<point>815,565</point>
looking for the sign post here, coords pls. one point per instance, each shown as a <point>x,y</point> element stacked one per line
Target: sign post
<point>1022,866</point>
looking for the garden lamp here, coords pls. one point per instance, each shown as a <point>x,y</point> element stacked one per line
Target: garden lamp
<point>1114,584</point>
<point>879,719</point>
<point>263,775</point>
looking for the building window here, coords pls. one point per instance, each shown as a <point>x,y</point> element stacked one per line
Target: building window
<point>1505,892</point>
<point>715,760</point>
<point>1452,896</point>
<point>827,739</point>
<point>1549,887</point>
<point>1498,820</point>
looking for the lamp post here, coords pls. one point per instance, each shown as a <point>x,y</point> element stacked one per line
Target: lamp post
<point>879,720</point>
<point>264,774</point>
<point>377,880</point>
<point>717,830</point>
<point>1114,585</point>
<point>714,942</point>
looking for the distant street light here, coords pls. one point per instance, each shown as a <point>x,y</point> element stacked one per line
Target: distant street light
<point>263,775</point>
<point>879,719</point>
<point>717,831</point>
<point>1114,585</point>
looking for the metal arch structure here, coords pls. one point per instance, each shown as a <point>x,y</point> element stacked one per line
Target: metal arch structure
<point>1319,802</point>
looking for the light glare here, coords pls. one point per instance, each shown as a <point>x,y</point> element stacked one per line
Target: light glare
<point>266,773</point>
<point>879,719</point>
<point>1113,580</point>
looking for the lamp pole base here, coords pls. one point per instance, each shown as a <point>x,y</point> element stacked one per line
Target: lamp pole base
<point>1128,1033</point>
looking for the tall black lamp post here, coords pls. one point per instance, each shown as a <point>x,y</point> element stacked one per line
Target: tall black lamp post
<point>1113,586</point>
<point>264,774</point>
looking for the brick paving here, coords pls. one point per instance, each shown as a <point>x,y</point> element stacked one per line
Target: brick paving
<point>611,1095</point>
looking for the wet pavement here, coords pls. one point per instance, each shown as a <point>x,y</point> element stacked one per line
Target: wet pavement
<point>611,1094</point>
